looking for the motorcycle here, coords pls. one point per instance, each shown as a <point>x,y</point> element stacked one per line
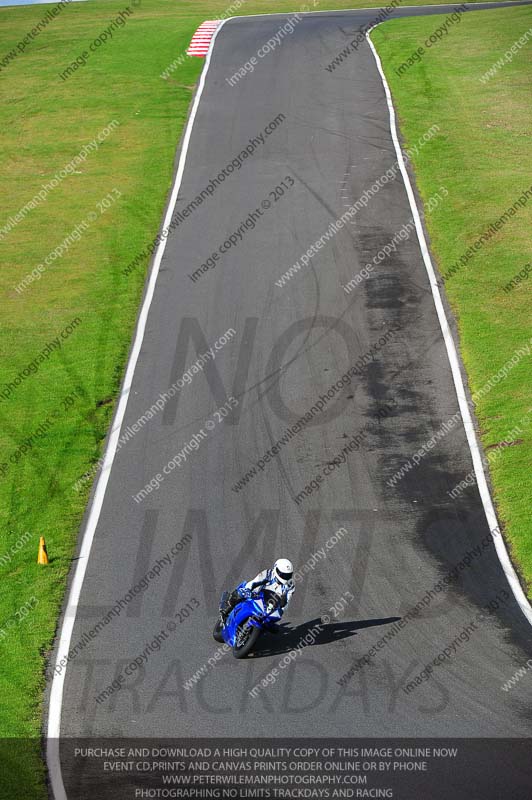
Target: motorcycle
<point>257,612</point>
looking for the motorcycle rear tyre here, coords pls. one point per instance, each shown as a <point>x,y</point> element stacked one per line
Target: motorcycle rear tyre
<point>217,632</point>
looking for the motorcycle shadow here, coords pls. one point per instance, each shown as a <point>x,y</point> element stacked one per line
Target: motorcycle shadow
<point>287,639</point>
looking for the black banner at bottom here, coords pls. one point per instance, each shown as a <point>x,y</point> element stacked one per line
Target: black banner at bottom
<point>295,769</point>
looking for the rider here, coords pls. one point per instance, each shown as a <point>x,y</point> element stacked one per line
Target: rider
<point>278,579</point>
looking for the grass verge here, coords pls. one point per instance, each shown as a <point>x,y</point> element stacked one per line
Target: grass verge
<point>485,116</point>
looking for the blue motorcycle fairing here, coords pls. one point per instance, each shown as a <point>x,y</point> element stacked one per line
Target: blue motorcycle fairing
<point>252,607</point>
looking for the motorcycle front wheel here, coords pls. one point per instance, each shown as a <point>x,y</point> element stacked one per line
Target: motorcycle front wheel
<point>246,637</point>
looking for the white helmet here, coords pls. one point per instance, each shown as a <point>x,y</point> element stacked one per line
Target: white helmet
<point>283,570</point>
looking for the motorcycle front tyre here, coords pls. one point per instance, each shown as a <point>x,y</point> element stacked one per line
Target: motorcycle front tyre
<point>246,648</point>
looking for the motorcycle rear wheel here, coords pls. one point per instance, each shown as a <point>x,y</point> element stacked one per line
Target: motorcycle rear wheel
<point>247,637</point>
<point>217,632</point>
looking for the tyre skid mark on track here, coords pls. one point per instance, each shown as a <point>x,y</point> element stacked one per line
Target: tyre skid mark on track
<point>485,496</point>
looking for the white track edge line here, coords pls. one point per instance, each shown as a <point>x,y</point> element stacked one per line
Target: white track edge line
<point>494,3</point>
<point>484,492</point>
<point>56,692</point>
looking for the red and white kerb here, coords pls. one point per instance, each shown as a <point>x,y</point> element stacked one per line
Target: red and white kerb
<point>199,46</point>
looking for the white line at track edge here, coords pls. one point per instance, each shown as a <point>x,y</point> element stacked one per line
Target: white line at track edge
<point>56,693</point>
<point>482,483</point>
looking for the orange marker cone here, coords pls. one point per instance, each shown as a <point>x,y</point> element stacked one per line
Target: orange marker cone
<point>42,558</point>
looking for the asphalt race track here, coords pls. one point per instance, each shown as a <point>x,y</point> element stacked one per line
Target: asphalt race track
<point>290,345</point>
